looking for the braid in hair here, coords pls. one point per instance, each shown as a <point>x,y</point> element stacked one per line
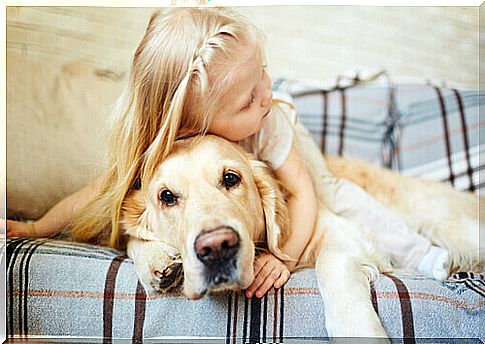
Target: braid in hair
<point>196,73</point>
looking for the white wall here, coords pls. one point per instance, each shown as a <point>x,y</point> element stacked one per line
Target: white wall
<point>320,41</point>
<point>317,42</point>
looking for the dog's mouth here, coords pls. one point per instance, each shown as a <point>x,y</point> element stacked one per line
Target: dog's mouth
<point>223,273</point>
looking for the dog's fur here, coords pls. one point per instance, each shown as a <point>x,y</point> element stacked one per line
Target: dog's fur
<point>345,256</point>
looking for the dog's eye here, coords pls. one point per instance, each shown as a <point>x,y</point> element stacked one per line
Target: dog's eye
<point>230,180</point>
<point>168,198</point>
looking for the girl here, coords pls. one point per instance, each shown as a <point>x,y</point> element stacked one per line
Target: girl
<point>199,71</point>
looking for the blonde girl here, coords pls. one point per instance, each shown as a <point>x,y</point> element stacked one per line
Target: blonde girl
<point>199,71</point>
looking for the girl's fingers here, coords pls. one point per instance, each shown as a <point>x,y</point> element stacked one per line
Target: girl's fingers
<point>268,283</point>
<point>269,271</point>
<point>260,277</point>
<point>285,275</point>
<point>16,228</point>
<point>12,229</point>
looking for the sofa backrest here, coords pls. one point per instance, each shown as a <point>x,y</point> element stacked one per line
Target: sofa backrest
<point>415,127</point>
<point>56,121</point>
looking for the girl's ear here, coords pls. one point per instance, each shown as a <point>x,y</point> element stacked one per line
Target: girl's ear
<point>276,214</point>
<point>134,217</point>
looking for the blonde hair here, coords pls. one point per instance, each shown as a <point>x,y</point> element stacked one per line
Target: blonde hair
<point>178,74</point>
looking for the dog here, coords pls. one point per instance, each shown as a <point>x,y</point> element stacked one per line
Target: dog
<point>197,226</point>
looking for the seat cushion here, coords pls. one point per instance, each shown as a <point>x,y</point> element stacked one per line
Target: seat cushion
<point>63,289</point>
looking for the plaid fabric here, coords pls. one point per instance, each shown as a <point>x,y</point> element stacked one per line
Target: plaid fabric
<point>58,289</point>
<point>416,128</point>
<point>345,118</point>
<point>449,151</point>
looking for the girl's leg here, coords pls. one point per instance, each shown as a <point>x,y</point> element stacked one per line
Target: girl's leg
<point>405,246</point>
<point>350,201</point>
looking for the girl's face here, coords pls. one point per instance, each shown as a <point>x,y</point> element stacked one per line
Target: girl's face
<point>246,105</point>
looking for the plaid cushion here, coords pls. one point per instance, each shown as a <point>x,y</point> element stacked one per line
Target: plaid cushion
<point>416,128</point>
<point>438,134</point>
<point>59,289</point>
<point>349,117</point>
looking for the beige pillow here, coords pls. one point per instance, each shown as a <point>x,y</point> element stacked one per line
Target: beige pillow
<point>56,115</point>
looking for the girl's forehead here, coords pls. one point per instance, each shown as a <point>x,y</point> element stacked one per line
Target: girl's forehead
<point>244,71</point>
<point>235,76</point>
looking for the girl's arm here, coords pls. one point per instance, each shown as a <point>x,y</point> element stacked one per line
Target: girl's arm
<point>302,205</point>
<point>58,217</point>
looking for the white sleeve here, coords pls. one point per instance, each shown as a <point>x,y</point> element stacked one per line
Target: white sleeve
<point>277,136</point>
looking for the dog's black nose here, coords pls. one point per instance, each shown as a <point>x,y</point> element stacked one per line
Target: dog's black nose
<point>217,246</point>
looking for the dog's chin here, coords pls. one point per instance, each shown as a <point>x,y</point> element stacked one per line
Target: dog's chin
<point>238,282</point>
<point>198,294</point>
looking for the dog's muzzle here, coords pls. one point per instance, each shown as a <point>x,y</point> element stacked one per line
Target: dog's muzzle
<point>217,250</point>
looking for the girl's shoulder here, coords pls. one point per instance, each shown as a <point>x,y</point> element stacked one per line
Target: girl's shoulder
<point>281,97</point>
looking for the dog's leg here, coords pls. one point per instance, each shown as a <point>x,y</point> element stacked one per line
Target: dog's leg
<point>157,264</point>
<point>343,270</point>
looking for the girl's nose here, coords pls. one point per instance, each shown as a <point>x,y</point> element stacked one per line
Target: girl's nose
<point>267,95</point>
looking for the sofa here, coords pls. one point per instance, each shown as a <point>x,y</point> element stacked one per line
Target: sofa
<point>59,290</point>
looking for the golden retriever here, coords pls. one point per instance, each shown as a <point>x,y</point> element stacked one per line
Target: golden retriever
<point>211,206</point>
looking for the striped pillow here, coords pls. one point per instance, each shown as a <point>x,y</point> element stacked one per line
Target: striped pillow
<point>416,128</point>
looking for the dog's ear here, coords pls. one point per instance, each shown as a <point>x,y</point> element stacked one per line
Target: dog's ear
<point>276,214</point>
<point>134,217</point>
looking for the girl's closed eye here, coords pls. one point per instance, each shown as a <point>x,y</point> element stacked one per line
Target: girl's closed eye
<point>249,103</point>
<point>251,100</point>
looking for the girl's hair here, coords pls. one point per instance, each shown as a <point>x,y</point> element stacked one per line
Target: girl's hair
<point>179,73</point>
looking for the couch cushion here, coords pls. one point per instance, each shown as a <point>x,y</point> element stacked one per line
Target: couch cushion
<point>55,120</point>
<point>346,116</point>
<point>415,127</point>
<point>62,289</point>
<point>438,134</point>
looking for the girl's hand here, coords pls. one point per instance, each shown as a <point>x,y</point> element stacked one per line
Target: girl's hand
<point>269,271</point>
<point>20,229</point>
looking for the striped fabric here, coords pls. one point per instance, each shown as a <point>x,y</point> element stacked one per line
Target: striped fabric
<point>417,128</point>
<point>59,289</point>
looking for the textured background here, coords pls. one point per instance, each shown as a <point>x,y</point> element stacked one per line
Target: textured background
<point>306,42</point>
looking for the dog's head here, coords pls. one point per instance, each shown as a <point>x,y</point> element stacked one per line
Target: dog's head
<point>212,201</point>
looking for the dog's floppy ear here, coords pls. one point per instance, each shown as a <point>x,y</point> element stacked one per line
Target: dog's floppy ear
<point>276,214</point>
<point>134,217</point>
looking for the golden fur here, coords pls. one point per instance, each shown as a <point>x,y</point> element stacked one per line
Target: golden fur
<point>345,257</point>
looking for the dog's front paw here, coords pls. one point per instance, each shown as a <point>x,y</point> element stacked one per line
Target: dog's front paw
<point>160,266</point>
<point>170,278</point>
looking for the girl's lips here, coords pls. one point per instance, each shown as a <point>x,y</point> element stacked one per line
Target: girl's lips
<point>267,113</point>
